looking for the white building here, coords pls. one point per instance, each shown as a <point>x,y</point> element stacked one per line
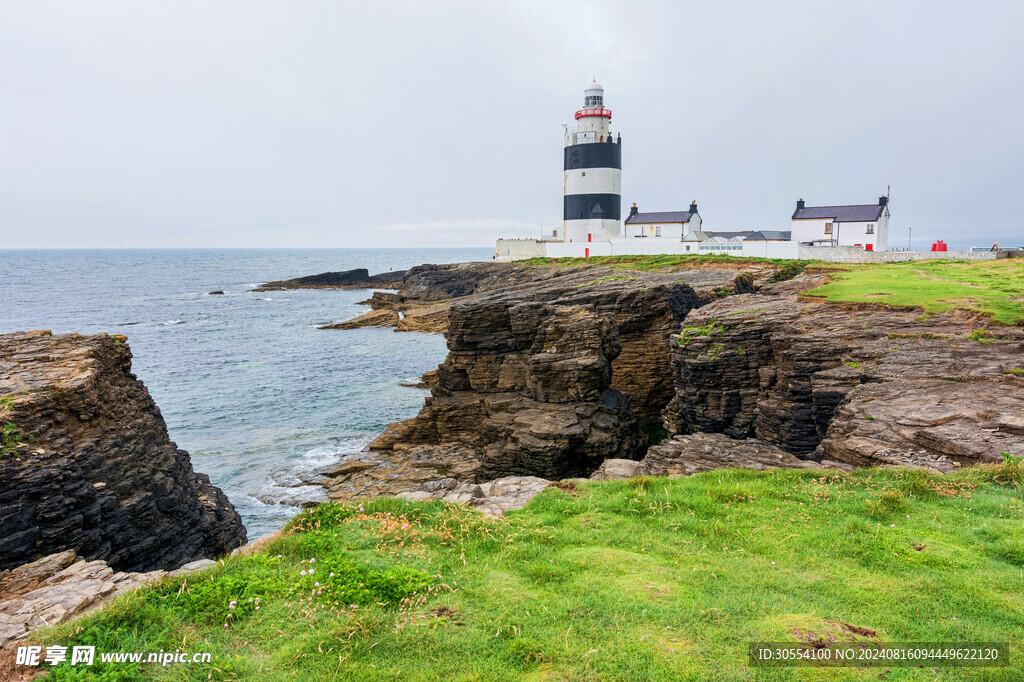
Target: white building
<point>662,224</point>
<point>865,225</point>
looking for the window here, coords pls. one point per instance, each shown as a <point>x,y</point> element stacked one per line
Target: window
<point>828,228</point>
<point>657,232</point>
<point>584,173</point>
<point>871,229</point>
<point>687,247</point>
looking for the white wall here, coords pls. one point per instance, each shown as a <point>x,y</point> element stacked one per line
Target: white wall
<point>506,250</point>
<point>599,230</point>
<point>770,249</point>
<point>576,249</point>
<point>593,181</point>
<point>856,254</point>
<point>668,230</point>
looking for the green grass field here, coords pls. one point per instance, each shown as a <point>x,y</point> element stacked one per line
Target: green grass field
<point>992,288</point>
<point>647,579</point>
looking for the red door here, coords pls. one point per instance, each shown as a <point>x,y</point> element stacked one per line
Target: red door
<point>589,237</point>
<point>587,254</point>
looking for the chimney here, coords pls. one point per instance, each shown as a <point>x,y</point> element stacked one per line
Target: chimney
<point>632,211</point>
<point>882,201</point>
<point>799,204</point>
<point>693,206</point>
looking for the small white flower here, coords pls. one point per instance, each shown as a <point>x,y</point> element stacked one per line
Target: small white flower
<point>332,575</point>
<point>316,584</point>
<point>302,573</point>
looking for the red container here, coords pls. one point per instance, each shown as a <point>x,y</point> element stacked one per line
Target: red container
<point>940,246</point>
<point>869,247</point>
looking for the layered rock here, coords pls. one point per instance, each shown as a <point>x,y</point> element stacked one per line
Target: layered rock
<point>861,385</point>
<point>88,465</point>
<point>61,586</point>
<point>525,390</point>
<point>374,318</point>
<point>692,454</point>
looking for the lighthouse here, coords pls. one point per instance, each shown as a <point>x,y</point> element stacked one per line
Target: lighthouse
<point>592,174</point>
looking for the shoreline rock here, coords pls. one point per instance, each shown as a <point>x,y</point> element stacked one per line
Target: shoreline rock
<point>89,466</point>
<point>62,586</point>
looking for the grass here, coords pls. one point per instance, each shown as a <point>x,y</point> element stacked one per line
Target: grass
<point>646,579</point>
<point>991,288</point>
<point>787,269</point>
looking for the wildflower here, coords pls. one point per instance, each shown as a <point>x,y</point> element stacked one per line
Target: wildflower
<point>278,556</point>
<point>225,624</point>
<point>232,605</point>
<point>773,563</point>
<point>311,571</point>
<point>302,573</point>
<point>257,608</point>
<point>316,584</point>
<point>892,525</point>
<point>332,575</point>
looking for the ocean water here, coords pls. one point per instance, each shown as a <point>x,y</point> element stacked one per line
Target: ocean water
<point>245,381</point>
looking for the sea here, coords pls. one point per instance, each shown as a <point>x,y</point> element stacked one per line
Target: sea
<point>245,381</point>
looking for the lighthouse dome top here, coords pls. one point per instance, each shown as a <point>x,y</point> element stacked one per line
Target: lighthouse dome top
<point>594,85</point>
<point>593,96</point>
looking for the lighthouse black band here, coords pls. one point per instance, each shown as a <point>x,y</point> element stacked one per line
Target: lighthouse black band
<point>593,155</point>
<point>592,206</point>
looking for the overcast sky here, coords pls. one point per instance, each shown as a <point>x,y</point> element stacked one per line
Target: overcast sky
<point>229,124</point>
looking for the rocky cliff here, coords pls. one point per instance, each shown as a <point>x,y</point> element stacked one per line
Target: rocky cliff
<point>552,370</point>
<point>87,464</point>
<point>525,390</point>
<point>861,385</point>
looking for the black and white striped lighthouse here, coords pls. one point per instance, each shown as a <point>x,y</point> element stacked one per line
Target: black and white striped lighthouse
<point>592,174</point>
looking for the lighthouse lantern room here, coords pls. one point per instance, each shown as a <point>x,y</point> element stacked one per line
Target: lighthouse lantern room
<point>592,174</point>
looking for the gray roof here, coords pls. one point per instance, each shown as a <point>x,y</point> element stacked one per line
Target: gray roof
<point>770,236</point>
<point>661,217</point>
<point>728,235</point>
<point>843,214</point>
<point>704,235</point>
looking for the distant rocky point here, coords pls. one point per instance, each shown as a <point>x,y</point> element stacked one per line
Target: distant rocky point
<point>359,278</point>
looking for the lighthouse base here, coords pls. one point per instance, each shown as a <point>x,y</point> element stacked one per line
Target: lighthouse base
<point>591,231</point>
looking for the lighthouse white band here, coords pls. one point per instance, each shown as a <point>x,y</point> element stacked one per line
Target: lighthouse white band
<point>593,181</point>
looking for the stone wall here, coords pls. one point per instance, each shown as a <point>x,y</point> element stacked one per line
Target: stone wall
<point>89,466</point>
<point>857,254</point>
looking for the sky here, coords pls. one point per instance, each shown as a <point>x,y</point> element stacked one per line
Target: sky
<point>374,124</point>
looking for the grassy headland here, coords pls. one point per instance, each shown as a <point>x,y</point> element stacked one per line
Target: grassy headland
<point>990,288</point>
<point>641,579</point>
